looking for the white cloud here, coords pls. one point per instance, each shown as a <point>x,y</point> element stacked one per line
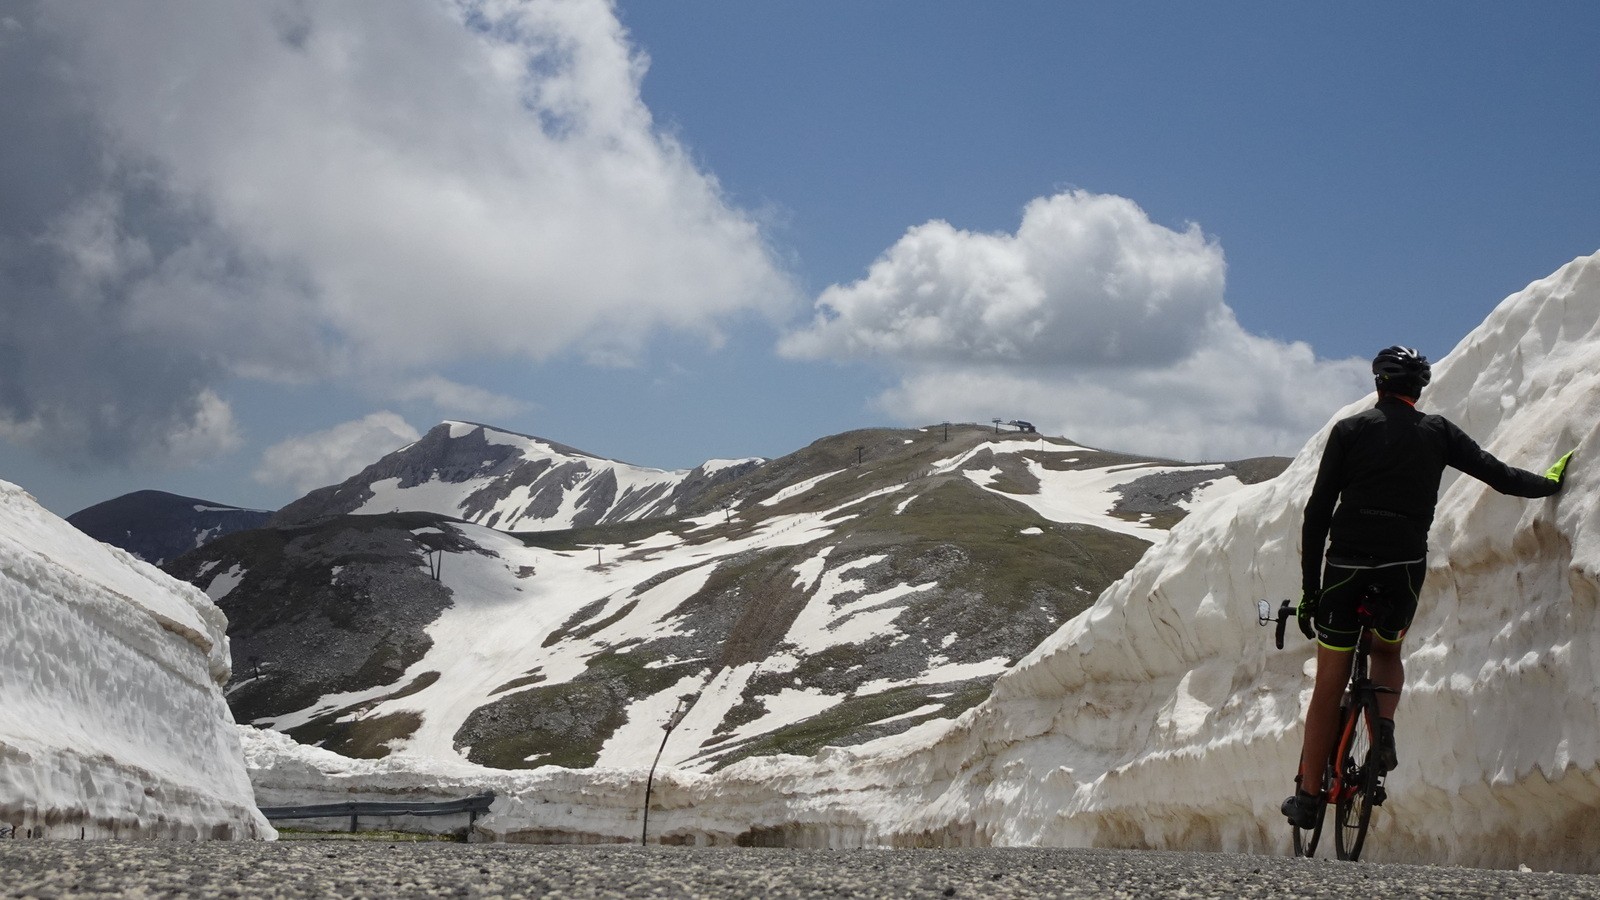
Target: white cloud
<point>459,399</point>
<point>1087,279</point>
<point>442,189</point>
<point>1091,321</point>
<point>299,191</point>
<point>209,431</point>
<point>330,456</point>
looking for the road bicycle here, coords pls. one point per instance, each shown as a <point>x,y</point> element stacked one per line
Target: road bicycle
<point>1352,780</point>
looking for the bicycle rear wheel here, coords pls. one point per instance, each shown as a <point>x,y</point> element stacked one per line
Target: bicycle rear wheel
<point>1358,788</point>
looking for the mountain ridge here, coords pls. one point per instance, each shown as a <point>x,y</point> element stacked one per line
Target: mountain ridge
<point>510,481</point>
<point>866,583</point>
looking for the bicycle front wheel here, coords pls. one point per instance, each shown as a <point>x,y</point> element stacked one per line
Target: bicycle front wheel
<point>1357,780</point>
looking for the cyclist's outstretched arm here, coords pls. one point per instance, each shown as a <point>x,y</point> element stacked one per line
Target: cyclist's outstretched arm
<point>1466,455</point>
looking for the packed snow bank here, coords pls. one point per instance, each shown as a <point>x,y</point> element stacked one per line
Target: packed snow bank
<point>548,805</point>
<point>112,720</point>
<point>1164,718</point>
<point>551,805</point>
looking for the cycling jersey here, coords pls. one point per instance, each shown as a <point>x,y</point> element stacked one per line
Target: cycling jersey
<point>1383,467</point>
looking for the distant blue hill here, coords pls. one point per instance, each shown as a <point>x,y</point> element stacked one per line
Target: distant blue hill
<point>158,527</point>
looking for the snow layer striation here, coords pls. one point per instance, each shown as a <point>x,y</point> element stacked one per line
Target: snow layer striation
<point>112,720</point>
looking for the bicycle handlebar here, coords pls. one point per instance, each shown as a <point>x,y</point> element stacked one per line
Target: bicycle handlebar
<point>1264,616</point>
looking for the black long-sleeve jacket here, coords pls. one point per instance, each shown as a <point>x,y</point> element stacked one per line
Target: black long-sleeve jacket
<point>1383,466</point>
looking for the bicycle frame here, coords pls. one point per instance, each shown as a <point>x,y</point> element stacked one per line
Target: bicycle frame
<point>1360,689</point>
<point>1353,786</point>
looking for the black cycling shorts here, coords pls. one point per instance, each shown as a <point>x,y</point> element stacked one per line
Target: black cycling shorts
<point>1343,586</point>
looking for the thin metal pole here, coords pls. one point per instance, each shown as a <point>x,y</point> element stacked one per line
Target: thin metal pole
<point>649,782</point>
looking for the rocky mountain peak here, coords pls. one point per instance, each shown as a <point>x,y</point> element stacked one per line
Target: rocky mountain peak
<point>509,481</point>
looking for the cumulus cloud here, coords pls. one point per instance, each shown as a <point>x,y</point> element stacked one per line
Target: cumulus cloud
<point>1087,279</point>
<point>1091,321</point>
<point>329,457</point>
<point>281,190</point>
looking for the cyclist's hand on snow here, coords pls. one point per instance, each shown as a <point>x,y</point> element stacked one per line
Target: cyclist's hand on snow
<point>1558,472</point>
<point>1306,613</point>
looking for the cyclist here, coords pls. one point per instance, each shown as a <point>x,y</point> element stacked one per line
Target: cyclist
<point>1383,467</point>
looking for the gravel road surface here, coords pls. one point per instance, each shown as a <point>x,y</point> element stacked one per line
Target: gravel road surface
<point>368,869</point>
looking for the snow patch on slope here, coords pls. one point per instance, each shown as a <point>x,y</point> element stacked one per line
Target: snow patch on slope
<point>496,629</point>
<point>1085,496</point>
<point>796,489</point>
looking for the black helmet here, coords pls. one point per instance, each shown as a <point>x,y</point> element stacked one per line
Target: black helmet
<point>1401,365</point>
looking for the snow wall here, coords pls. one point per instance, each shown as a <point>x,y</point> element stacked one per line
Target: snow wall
<point>1164,718</point>
<point>112,719</point>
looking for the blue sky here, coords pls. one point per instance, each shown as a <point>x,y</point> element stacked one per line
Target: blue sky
<point>245,250</point>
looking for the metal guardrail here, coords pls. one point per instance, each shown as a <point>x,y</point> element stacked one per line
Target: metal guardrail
<point>472,806</point>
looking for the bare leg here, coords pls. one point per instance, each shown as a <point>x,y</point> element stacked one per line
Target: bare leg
<point>1322,716</point>
<point>1389,671</point>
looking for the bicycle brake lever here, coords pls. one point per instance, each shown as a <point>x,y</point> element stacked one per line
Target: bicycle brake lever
<point>1283,621</point>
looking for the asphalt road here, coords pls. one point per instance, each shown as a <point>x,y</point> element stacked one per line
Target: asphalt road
<point>367,869</point>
